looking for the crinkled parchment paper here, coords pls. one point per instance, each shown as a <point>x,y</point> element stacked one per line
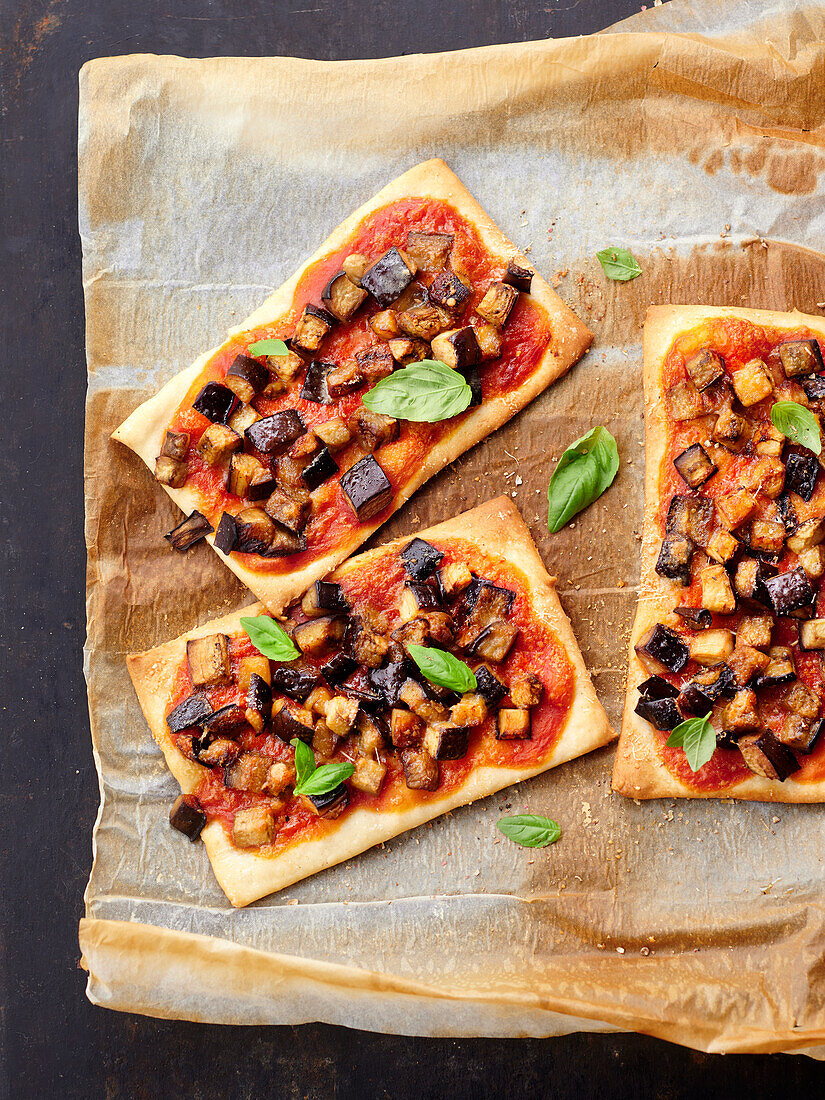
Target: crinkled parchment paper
<point>202,185</point>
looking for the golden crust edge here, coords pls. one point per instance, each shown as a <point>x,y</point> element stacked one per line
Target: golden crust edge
<point>498,528</point>
<point>638,772</point>
<point>143,430</point>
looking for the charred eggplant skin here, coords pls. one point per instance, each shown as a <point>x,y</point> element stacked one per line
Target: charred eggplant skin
<point>216,402</point>
<point>800,474</point>
<point>192,711</point>
<point>338,669</point>
<point>226,534</point>
<point>321,469</point>
<point>789,591</point>
<point>662,714</point>
<point>387,278</point>
<point>191,530</point>
<point>315,383</point>
<point>187,819</point>
<point>420,559</point>
<point>662,649</point>
<point>276,433</point>
<point>297,683</point>
<point>519,276</point>
<point>366,487</point>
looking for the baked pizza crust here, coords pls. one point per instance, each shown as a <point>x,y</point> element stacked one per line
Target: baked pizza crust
<point>638,770</point>
<point>144,430</point>
<point>245,875</point>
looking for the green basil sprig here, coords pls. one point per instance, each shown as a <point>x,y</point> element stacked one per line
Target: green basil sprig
<point>798,424</point>
<point>443,668</point>
<point>585,470</point>
<point>427,391</point>
<point>529,830</point>
<point>618,264</point>
<point>269,638</point>
<point>698,739</point>
<point>268,347</point>
<point>311,780</point>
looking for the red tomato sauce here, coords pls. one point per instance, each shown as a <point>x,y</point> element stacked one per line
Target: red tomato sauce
<point>525,339</point>
<point>376,585</point>
<point>737,342</point>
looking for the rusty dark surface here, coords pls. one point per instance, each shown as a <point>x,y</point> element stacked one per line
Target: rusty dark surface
<point>53,1043</point>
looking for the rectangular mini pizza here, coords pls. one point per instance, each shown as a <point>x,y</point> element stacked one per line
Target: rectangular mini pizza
<point>725,685</point>
<point>417,677</point>
<point>412,333</point>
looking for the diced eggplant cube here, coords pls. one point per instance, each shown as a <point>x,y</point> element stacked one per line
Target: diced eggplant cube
<point>340,714</point>
<point>513,724</point>
<point>699,618</point>
<point>216,402</point>
<point>780,670</point>
<point>420,559</point>
<point>722,546</point>
<point>747,664</point>
<point>454,578</point>
<point>189,531</point>
<point>813,562</point>
<point>242,418</point>
<point>375,363</point>
<point>289,513</point>
<point>429,251</point>
<point>274,434</point>
<point>736,507</point>
<point>217,443</point>
<point>367,488</point>
<point>416,696</point>
<point>216,752</point>
<point>192,711</point>
<point>168,471</point>
<point>253,827</point>
<point>789,591</point>
<point>787,513</point>
<point>767,536</point>
<point>285,368</point>
<point>497,303</point>
<point>258,703</point>
<point>814,387</point>
<point>768,440</point>
<point>694,466</point>
<point>226,721</point>
<point>662,650</point>
<point>448,742</point>
<point>318,637</point>
<point>799,734</point>
<point>704,368</point>
<point>186,818</point>
<point>388,277</point>
<point>175,445</point>
<point>257,665</point>
<point>448,292</point>
<point>297,683</point>
<point>767,757</point>
<point>390,679</point>
<point>674,559</point>
<point>731,430</point>
<point>662,714</point>
<point>312,327</point>
<point>246,377</point>
<point>320,469</point>
<point>494,642</point>
<point>385,324</point>
<point>755,630</point>
<point>716,683</point>
<point>807,534</point>
<point>812,634</point>
<point>800,357</point>
<point>372,429</point>
<point>799,699</point>
<point>471,710</point>
<point>255,531</point>
<point>364,644</point>
<point>518,275</point>
<point>526,690</point>
<point>692,702</point>
<point>406,728</point>
<point>717,593</point>
<point>243,470</point>
<point>420,769</point>
<point>740,714</point>
<point>489,340</point>
<point>332,804</point>
<point>368,775</point>
<point>416,598</point>
<point>423,321</point>
<point>343,379</point>
<point>711,646</point>
<point>752,383</point>
<point>657,687</point>
<point>457,348</point>
<point>208,660</point>
<point>324,597</point>
<point>684,402</point>
<point>315,386</point>
<point>342,296</point>
<point>800,475</point>
<point>289,721</point>
<point>334,434</point>
<point>749,580</point>
<point>408,349</point>
<point>249,772</point>
<point>488,686</point>
<point>691,516</point>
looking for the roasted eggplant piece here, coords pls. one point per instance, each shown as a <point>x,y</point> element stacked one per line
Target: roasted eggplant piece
<point>192,711</point>
<point>367,488</point>
<point>227,721</point>
<point>406,728</point>
<point>416,598</point>
<point>453,579</point>
<point>497,303</point>
<point>787,513</point>
<point>694,466</point>
<point>675,557</point>
<point>243,469</point>
<point>226,535</point>
<point>186,818</point>
<point>258,703</point>
<point>334,434</point>
<point>390,679</point>
<point>274,434</point>
<point>246,377</point>
<point>214,752</point>
<point>800,734</point>
<point>297,683</point>
<point>662,650</point>
<point>691,516</point>
<point>315,383</point>
<point>660,712</point>
<point>191,530</point>
<point>767,537</point>
<point>312,327</point>
<point>445,741</point>
<point>365,645</point>
<point>208,660</point>
<point>789,591</point>
<point>752,383</point>
<point>420,559</point>
<point>807,535</point>
<point>716,683</point>
<point>175,445</point>
<point>518,275</point>
<point>692,702</point>
<point>338,669</point>
<point>457,348</point>
<point>813,562</point>
<point>780,670</point>
<point>704,368</point>
<point>731,430</point>
<point>420,769</point>
<point>750,578</point>
<point>717,591</point>
<point>736,507</point>
<point>698,617</point>
<point>168,471</point>
<point>257,534</point>
<point>408,349</point>
<point>421,702</point>
<point>342,296</point>
<point>800,357</point>
<point>217,444</point>
<point>332,804</point>
<point>494,642</point>
<point>323,598</point>
<point>253,827</point>
<point>513,724</point>
<point>711,646</point>
<point>368,775</point>
<point>429,251</point>
<point>490,340</point>
<point>812,634</point>
<point>747,664</point>
<point>740,715</point>
<point>766,756</point>
<point>684,402</point>
<point>472,376</point>
<point>657,687</point>
<point>489,687</point>
<point>288,512</point>
<point>340,714</point>
<point>388,277</point>
<point>722,546</point>
<point>372,429</point>
<point>423,321</point>
<point>375,363</point>
<point>344,379</point>
<point>321,469</point>
<point>290,721</point>
<point>216,402</point>
<point>385,324</point>
<point>800,475</point>
<point>248,772</point>
<point>242,418</point>
<point>755,630</point>
<point>448,292</point>
<point>814,387</point>
<point>318,637</point>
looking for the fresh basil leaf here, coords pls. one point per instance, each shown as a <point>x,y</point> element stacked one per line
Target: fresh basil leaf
<point>443,668</point>
<point>798,424</point>
<point>698,739</point>
<point>585,470</point>
<point>268,347</point>
<point>427,391</point>
<point>270,639</point>
<point>325,779</point>
<point>529,830</point>
<point>618,264</point>
<point>304,761</point>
